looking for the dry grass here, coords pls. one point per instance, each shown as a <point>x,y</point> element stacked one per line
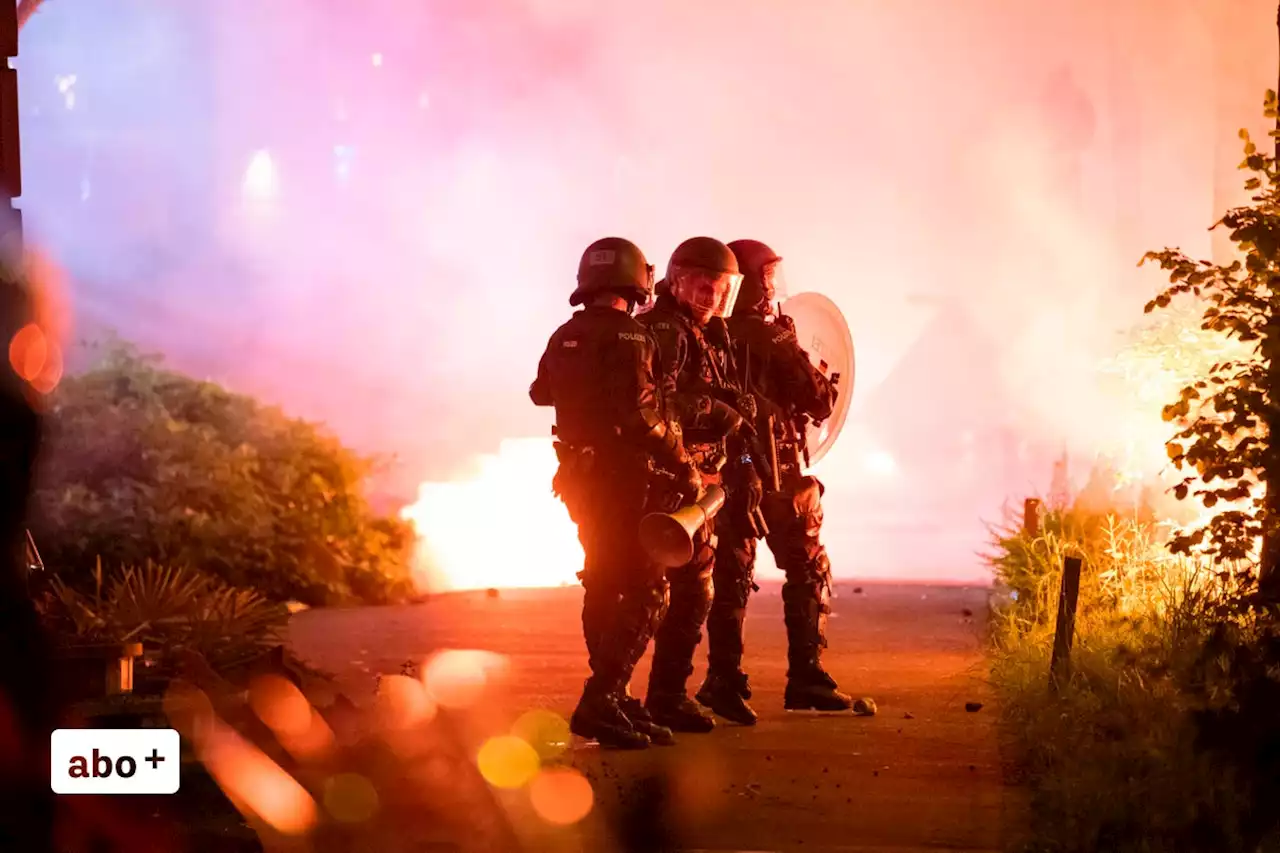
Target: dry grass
<point>1112,761</point>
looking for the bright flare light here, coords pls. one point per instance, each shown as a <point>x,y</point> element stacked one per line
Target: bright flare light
<point>880,462</point>
<point>501,527</point>
<point>260,179</point>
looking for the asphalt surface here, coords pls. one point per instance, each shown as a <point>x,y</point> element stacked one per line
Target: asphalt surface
<point>923,774</point>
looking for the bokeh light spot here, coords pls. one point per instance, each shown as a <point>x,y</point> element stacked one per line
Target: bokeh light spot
<point>403,702</point>
<point>561,796</point>
<point>28,352</point>
<point>457,678</point>
<point>260,178</point>
<point>188,709</point>
<point>280,705</point>
<point>507,762</point>
<point>254,782</point>
<point>350,798</point>
<point>546,732</point>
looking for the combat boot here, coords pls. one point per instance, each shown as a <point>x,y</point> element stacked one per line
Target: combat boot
<point>643,722</point>
<point>726,695</point>
<point>598,717</point>
<point>812,689</point>
<point>678,713</point>
<point>809,687</point>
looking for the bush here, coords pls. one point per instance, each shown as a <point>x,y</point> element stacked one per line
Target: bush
<point>1117,759</point>
<point>142,463</point>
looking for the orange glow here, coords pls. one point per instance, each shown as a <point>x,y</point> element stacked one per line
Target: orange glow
<point>561,796</point>
<point>501,527</point>
<point>28,352</point>
<point>250,779</point>
<point>188,709</point>
<point>280,704</point>
<point>283,709</point>
<point>35,351</point>
<point>403,702</point>
<point>350,798</point>
<point>507,762</point>
<point>545,731</point>
<point>457,679</point>
<point>36,358</point>
<point>1168,355</point>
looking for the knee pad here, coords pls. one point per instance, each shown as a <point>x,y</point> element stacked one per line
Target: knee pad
<point>692,590</point>
<point>732,575</point>
<point>810,578</point>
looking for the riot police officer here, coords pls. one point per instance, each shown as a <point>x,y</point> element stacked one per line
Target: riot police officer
<point>696,368</point>
<point>786,385</point>
<point>621,456</point>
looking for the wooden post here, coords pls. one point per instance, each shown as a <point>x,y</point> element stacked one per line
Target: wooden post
<point>120,669</point>
<point>1031,517</point>
<point>1064,635</point>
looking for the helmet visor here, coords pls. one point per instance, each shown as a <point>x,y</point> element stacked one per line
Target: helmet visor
<point>708,293</point>
<point>774,279</point>
<point>728,285</point>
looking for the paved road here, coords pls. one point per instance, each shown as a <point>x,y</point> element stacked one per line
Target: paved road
<point>924,774</point>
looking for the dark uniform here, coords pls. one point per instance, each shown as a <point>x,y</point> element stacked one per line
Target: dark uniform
<point>620,458</point>
<point>786,385</point>
<point>697,371</point>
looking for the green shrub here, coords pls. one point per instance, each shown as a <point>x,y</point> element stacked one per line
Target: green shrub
<point>142,463</point>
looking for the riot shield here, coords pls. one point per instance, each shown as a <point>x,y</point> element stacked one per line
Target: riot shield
<point>824,335</point>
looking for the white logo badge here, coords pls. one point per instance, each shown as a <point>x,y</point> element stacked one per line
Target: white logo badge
<point>115,761</point>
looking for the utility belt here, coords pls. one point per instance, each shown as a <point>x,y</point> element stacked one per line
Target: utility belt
<point>581,460</point>
<point>588,474</point>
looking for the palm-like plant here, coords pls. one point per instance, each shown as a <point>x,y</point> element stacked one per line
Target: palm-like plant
<point>170,607</point>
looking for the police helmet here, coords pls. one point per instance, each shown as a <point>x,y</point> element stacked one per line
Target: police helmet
<point>762,282</point>
<point>613,265</point>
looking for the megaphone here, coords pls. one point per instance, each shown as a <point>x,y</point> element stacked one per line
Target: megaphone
<point>668,537</point>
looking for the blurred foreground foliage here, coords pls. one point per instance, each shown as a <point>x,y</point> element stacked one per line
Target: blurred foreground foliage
<point>144,464</point>
<point>1165,736</point>
<point>166,608</point>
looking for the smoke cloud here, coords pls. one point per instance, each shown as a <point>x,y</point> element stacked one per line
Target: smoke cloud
<point>372,212</point>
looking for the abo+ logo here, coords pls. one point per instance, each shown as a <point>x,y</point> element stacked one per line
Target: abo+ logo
<point>115,761</point>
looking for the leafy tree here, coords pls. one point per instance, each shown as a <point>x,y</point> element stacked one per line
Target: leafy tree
<point>143,463</point>
<point>1228,416</point>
